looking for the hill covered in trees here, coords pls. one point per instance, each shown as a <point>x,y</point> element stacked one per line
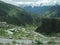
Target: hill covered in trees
<point>17,16</point>
<point>49,26</point>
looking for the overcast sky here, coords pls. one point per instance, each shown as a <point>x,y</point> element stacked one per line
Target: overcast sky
<point>27,0</point>
<point>17,2</point>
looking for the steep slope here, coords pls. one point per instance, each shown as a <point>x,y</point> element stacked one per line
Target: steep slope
<point>15,15</point>
<point>53,12</point>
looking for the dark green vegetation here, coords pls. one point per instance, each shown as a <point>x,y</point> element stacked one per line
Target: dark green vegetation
<point>17,16</point>
<point>49,26</point>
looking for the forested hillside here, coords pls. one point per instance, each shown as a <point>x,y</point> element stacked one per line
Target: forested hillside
<point>15,15</point>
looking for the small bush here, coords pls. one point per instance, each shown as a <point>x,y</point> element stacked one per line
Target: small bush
<point>38,42</point>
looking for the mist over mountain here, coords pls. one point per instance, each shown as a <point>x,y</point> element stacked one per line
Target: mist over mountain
<point>32,2</point>
<point>37,9</point>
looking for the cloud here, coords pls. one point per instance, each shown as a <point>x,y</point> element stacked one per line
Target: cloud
<point>27,0</point>
<point>10,2</point>
<point>32,3</point>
